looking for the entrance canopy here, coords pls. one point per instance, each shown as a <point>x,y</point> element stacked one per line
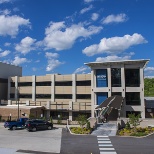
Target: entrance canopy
<point>113,102</point>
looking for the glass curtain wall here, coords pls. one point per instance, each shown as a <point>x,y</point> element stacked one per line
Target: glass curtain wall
<point>116,77</point>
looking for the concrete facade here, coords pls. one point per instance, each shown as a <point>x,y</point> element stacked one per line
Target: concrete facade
<point>123,89</point>
<point>76,94</point>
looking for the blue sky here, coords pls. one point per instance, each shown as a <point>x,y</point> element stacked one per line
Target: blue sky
<point>59,36</point>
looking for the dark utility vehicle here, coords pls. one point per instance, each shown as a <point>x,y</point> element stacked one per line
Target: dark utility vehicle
<point>12,125</point>
<point>37,124</point>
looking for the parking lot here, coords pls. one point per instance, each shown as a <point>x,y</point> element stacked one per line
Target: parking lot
<point>47,141</point>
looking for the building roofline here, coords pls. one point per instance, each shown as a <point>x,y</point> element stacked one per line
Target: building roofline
<point>145,61</point>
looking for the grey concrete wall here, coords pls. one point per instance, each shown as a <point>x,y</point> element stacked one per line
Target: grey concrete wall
<point>7,70</point>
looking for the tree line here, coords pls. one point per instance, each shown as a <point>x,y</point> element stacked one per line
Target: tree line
<point>149,87</point>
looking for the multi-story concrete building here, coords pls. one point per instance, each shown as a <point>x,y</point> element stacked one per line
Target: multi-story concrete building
<point>71,95</point>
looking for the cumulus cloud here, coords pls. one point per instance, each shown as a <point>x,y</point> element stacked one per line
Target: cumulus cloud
<point>94,16</point>
<point>114,45</point>
<point>149,72</point>
<point>61,37</point>
<point>114,58</point>
<point>115,18</point>
<point>26,45</point>
<point>4,1</point>
<point>18,61</point>
<point>9,25</point>
<point>7,44</point>
<point>81,69</point>
<point>5,53</point>
<point>51,55</point>
<point>86,9</point>
<point>5,12</point>
<point>52,64</point>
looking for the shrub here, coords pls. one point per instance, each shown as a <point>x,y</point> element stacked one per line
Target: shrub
<point>82,120</point>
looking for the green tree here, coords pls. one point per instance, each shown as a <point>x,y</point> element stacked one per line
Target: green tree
<point>134,120</point>
<point>82,120</point>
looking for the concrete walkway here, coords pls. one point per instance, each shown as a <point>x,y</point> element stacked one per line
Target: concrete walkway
<point>106,129</point>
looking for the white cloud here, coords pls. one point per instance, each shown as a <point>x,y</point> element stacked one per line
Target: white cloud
<point>114,45</point>
<point>50,55</point>
<point>5,53</point>
<point>149,72</point>
<point>115,18</point>
<point>18,61</point>
<point>86,9</point>
<point>4,1</point>
<point>94,16</point>
<point>61,37</point>
<point>52,64</point>
<point>88,1</point>
<point>7,44</point>
<point>149,69</point>
<point>26,45</point>
<point>81,69</point>
<point>9,25</point>
<point>5,12</point>
<point>113,58</point>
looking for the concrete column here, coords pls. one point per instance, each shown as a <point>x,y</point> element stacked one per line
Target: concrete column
<point>93,100</point>
<point>33,87</point>
<point>9,88</point>
<point>74,87</point>
<point>9,102</point>
<point>16,88</point>
<point>123,90</point>
<point>53,88</point>
<point>70,116</point>
<point>27,103</point>
<point>109,81</point>
<point>48,104</point>
<point>70,110</point>
<point>142,92</point>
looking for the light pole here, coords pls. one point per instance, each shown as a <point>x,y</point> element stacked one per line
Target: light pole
<point>18,101</point>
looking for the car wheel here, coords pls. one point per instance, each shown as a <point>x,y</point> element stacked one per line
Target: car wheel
<point>34,129</point>
<point>14,127</point>
<point>49,127</point>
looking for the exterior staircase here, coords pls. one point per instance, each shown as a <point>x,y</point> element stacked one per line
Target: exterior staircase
<point>106,129</point>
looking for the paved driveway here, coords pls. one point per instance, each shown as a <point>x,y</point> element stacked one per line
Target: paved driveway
<point>48,141</point>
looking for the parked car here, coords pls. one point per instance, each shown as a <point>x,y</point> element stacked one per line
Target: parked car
<point>37,124</point>
<point>13,125</point>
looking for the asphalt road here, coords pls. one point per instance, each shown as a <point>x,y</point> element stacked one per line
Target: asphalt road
<point>78,144</point>
<point>131,145</point>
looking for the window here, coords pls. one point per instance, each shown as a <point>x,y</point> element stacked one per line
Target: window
<point>63,83</point>
<point>116,77</point>
<point>12,95</point>
<point>47,96</point>
<point>116,93</point>
<point>133,98</point>
<point>44,83</point>
<point>101,97</point>
<point>76,114</point>
<point>132,77</point>
<point>83,96</point>
<point>25,95</point>
<point>83,83</point>
<point>56,115</point>
<point>101,78</point>
<point>12,84</point>
<point>63,96</point>
<point>24,84</point>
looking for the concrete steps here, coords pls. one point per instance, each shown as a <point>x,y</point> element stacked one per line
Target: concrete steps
<point>105,129</point>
